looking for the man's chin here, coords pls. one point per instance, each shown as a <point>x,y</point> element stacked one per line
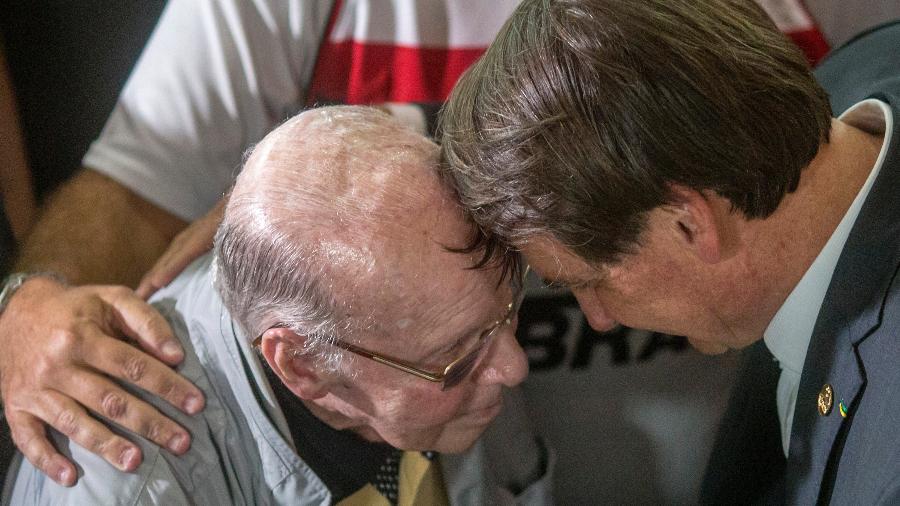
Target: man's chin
<point>460,445</point>
<point>464,438</point>
<point>708,347</point>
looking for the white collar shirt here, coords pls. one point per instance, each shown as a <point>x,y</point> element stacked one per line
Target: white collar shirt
<point>788,334</point>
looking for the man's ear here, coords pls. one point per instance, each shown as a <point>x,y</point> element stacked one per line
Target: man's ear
<point>298,372</point>
<point>700,223</point>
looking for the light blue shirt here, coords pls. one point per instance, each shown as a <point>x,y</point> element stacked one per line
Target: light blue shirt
<point>790,330</point>
<point>241,451</point>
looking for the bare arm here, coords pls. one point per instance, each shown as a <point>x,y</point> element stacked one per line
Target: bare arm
<point>94,230</point>
<point>15,177</point>
<point>60,345</point>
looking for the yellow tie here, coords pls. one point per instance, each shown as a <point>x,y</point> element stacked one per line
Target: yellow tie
<point>420,483</point>
<point>366,496</point>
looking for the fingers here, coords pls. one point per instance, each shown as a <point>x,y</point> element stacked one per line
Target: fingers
<point>124,362</point>
<point>72,341</point>
<point>152,281</point>
<point>29,436</point>
<point>74,422</point>
<point>142,323</point>
<point>187,246</point>
<point>109,400</point>
<point>167,267</point>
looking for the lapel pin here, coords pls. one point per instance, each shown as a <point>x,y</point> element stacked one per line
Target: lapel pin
<point>842,408</point>
<point>825,400</point>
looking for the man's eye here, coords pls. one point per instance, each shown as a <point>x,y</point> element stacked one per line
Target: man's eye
<point>570,286</point>
<point>465,344</point>
<point>554,285</point>
<point>453,348</point>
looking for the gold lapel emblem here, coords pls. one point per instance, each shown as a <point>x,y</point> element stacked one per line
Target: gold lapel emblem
<point>826,399</point>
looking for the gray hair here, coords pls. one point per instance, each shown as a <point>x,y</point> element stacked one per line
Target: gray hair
<point>295,242</point>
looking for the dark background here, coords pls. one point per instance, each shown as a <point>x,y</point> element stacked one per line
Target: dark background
<point>68,61</point>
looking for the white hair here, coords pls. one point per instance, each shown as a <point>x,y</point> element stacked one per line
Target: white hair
<point>297,235</point>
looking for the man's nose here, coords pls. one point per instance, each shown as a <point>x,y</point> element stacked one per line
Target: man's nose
<point>593,310</point>
<point>506,362</point>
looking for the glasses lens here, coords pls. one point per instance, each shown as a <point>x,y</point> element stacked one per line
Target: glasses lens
<point>460,369</point>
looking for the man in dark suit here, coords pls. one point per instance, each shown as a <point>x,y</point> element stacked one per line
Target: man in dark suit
<point>744,464</point>
<point>676,164</point>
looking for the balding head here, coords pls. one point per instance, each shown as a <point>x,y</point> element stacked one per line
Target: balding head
<point>338,229</point>
<point>335,203</point>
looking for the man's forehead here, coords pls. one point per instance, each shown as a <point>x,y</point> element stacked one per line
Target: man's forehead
<point>431,310</point>
<point>416,272</point>
<point>416,284</point>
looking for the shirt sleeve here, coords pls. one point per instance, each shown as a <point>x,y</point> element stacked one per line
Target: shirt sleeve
<point>99,482</point>
<point>215,76</point>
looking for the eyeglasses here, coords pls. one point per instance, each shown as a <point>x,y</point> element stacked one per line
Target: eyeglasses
<point>458,369</point>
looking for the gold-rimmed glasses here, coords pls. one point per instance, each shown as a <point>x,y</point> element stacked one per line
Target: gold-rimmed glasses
<point>458,369</point>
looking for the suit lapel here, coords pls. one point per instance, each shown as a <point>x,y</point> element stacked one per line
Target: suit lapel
<point>831,359</point>
<point>850,312</point>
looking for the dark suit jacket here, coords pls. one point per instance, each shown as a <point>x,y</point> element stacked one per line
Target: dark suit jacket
<point>855,346</point>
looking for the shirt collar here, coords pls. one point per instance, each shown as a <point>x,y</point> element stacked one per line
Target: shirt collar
<point>790,330</point>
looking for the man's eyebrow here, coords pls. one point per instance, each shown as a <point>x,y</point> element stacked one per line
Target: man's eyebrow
<point>460,338</point>
<point>468,333</point>
<point>563,283</point>
<point>555,282</point>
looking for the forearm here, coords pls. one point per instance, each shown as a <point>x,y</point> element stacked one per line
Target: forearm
<point>15,177</point>
<point>94,230</point>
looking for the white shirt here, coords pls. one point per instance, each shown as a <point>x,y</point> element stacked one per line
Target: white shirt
<point>790,330</point>
<point>217,75</point>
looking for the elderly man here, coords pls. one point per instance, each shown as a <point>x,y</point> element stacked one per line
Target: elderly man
<point>333,262</point>
<point>677,166</point>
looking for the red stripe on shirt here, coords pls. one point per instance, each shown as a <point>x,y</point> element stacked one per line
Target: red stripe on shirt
<point>811,42</point>
<point>352,72</point>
